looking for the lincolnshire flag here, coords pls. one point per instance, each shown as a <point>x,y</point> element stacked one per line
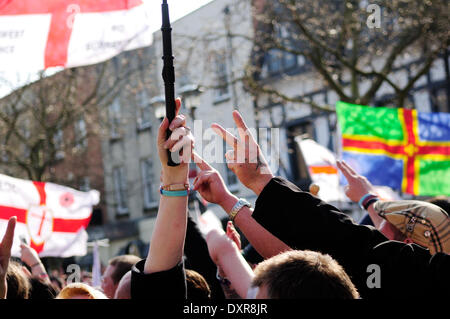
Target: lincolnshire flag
<point>400,148</point>
<point>38,34</point>
<point>52,218</point>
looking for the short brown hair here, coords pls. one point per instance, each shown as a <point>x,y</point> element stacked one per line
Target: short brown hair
<point>303,274</point>
<point>18,284</point>
<point>197,287</point>
<point>122,264</point>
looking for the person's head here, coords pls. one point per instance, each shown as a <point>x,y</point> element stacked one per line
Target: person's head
<point>18,283</point>
<point>419,222</point>
<point>80,290</point>
<point>197,287</point>
<point>118,266</point>
<point>442,202</point>
<point>40,289</point>
<point>123,290</point>
<point>302,274</point>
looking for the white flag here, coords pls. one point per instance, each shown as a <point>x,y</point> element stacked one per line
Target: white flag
<point>323,170</point>
<point>52,218</point>
<point>37,35</point>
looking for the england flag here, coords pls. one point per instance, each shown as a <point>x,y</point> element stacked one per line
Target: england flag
<point>38,34</point>
<point>50,217</point>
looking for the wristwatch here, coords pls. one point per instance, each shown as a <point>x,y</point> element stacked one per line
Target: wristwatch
<point>237,207</point>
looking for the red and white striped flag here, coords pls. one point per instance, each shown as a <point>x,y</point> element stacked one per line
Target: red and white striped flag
<point>52,218</point>
<point>38,34</point>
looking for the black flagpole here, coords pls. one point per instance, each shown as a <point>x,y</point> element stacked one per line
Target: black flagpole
<point>168,72</point>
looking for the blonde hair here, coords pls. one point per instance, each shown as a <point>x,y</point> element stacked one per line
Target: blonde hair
<point>80,289</point>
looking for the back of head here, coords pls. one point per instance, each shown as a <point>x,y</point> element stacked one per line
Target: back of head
<point>197,287</point>
<point>442,202</point>
<point>123,290</point>
<point>18,283</point>
<point>41,289</point>
<point>304,275</point>
<point>122,264</point>
<point>421,222</point>
<point>80,290</point>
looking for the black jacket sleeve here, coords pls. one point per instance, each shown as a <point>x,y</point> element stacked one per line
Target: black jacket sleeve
<point>305,222</point>
<point>169,284</point>
<point>198,259</point>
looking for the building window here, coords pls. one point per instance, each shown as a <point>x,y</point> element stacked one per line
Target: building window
<point>439,100</point>
<point>144,111</point>
<point>279,61</point>
<point>26,133</point>
<point>120,190</point>
<point>114,119</point>
<point>222,90</point>
<point>58,142</point>
<point>80,134</point>
<point>84,184</point>
<point>148,182</point>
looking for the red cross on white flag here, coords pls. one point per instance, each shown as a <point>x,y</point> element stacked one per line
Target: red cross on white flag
<point>52,218</point>
<point>39,34</point>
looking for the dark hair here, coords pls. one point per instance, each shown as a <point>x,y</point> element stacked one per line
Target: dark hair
<point>298,274</point>
<point>41,289</point>
<point>197,287</point>
<point>122,265</point>
<point>57,282</point>
<point>18,283</point>
<point>442,202</point>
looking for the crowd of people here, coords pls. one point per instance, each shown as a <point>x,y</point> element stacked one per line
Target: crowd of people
<point>300,246</point>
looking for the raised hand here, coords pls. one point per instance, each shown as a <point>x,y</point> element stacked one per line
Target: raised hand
<point>246,159</point>
<point>358,185</point>
<point>5,254</point>
<point>210,184</point>
<point>182,141</point>
<point>28,255</point>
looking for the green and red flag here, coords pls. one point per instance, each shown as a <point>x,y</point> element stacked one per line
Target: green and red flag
<point>401,148</point>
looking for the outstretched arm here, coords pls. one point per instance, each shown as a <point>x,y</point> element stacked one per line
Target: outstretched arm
<point>226,255</point>
<point>5,254</point>
<point>167,242</point>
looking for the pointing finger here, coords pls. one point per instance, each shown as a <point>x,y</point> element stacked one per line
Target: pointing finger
<point>201,163</point>
<point>229,138</point>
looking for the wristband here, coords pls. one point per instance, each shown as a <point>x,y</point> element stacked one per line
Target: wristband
<point>36,264</point>
<point>370,201</point>
<point>180,193</point>
<point>175,187</point>
<point>362,199</point>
